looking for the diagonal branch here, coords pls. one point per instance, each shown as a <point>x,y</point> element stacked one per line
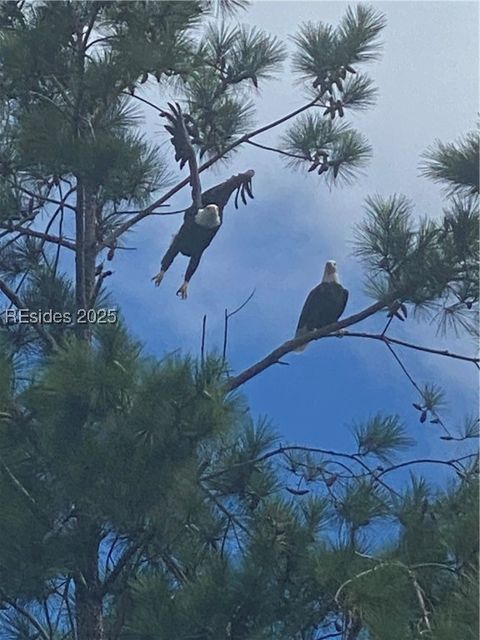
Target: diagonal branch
<point>16,301</point>
<point>46,237</point>
<point>26,614</point>
<point>279,151</point>
<point>60,203</point>
<point>416,386</point>
<point>122,563</point>
<point>291,345</point>
<point>24,493</point>
<point>245,138</point>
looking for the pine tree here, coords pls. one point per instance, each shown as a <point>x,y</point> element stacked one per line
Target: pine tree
<point>139,499</point>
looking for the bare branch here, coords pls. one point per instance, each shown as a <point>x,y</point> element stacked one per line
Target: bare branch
<point>204,332</point>
<point>450,463</point>
<point>290,345</point>
<point>46,237</point>
<point>388,340</point>
<point>279,151</point>
<point>416,386</point>
<point>227,317</point>
<point>375,473</point>
<point>60,203</point>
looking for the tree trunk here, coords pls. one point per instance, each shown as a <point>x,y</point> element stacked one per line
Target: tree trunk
<point>88,597</point>
<point>88,613</point>
<point>86,251</point>
<point>90,245</point>
<point>80,247</point>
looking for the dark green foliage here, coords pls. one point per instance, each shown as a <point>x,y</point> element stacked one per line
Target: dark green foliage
<point>322,48</point>
<point>141,483</point>
<point>432,265</point>
<point>359,92</point>
<point>455,165</point>
<point>325,56</point>
<point>381,436</point>
<point>347,149</point>
<point>172,470</point>
<point>232,59</point>
<point>74,120</point>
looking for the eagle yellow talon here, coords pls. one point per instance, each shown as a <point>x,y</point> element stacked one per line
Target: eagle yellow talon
<point>183,291</point>
<point>158,278</point>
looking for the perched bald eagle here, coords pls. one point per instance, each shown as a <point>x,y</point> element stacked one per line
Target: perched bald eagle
<point>324,304</point>
<point>204,217</point>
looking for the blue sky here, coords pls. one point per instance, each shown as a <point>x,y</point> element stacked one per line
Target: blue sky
<point>278,244</point>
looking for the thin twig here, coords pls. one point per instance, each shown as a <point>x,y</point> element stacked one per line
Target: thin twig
<point>25,494</point>
<point>416,386</point>
<point>388,340</point>
<point>204,331</point>
<point>279,151</point>
<point>451,463</point>
<point>285,450</point>
<point>110,553</point>
<point>225,335</point>
<point>47,618</point>
<point>243,305</point>
<point>59,247</point>
<point>227,317</point>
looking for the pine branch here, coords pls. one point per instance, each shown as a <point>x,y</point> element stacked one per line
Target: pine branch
<point>206,165</point>
<point>391,563</point>
<point>408,463</point>
<point>26,614</point>
<point>60,203</point>
<point>279,151</point>
<point>387,340</point>
<point>122,563</point>
<point>417,387</point>
<point>174,568</point>
<point>291,345</point>
<point>376,474</point>
<point>46,237</point>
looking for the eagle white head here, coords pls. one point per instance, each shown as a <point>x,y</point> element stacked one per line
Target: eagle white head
<point>330,274</point>
<point>208,217</point>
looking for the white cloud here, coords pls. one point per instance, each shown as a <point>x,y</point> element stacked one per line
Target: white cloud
<point>280,241</point>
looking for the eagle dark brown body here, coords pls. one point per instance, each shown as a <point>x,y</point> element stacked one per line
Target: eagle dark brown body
<point>204,217</point>
<point>324,304</point>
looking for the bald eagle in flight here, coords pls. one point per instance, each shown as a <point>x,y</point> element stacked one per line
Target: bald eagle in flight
<point>324,304</point>
<point>204,217</point>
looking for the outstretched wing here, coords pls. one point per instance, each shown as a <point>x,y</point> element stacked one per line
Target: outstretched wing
<point>184,152</point>
<point>220,193</point>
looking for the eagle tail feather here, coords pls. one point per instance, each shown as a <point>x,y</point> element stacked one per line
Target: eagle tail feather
<point>299,334</point>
